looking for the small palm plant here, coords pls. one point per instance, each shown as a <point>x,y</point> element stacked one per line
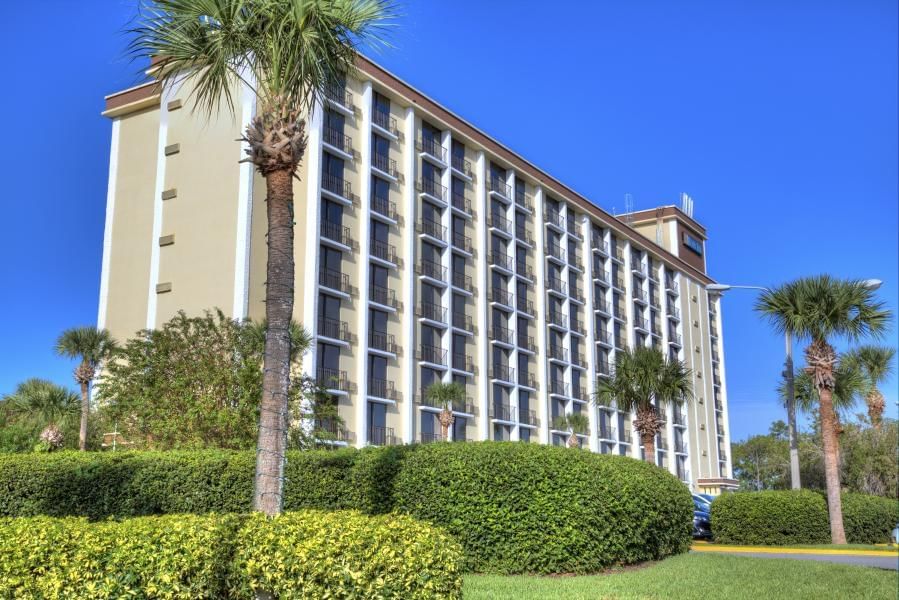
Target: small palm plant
<point>574,423</point>
<point>875,363</point>
<point>643,381</point>
<point>92,347</point>
<point>290,53</point>
<point>818,309</point>
<point>43,404</point>
<point>445,395</point>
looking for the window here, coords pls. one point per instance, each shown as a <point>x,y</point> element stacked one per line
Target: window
<point>377,368</point>
<point>380,150</point>
<point>378,276</point>
<point>330,258</point>
<point>379,232</point>
<point>334,121</point>
<point>328,357</point>
<point>332,212</point>
<point>459,426</point>
<point>524,434</point>
<point>381,107</point>
<point>693,243</point>
<point>378,320</point>
<point>328,307</point>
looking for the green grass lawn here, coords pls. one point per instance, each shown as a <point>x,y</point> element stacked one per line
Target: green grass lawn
<point>698,576</point>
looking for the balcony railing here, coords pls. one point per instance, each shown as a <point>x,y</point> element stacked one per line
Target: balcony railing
<point>382,388</point>
<point>462,242</point>
<point>671,286</point>
<point>559,319</point>
<point>432,354</point>
<point>503,260</point>
<point>607,432</point>
<point>523,233</point>
<point>431,146</point>
<point>335,280</point>
<point>429,268</point>
<point>602,275</point>
<point>431,311</point>
<point>528,417</point>
<point>620,342</point>
<point>678,418</point>
<point>675,339</point>
<point>501,333</point>
<point>502,297</point>
<point>384,342</point>
<point>558,353</point>
<point>603,306</point>
<point>334,329</point>
<point>641,296</point>
<point>385,165</point>
<point>503,373</point>
<point>626,437</point>
<point>604,337</point>
<point>554,218</point>
<point>674,312</point>
<point>327,430</point>
<point>495,184</point>
<point>641,323</point>
<point>337,139</point>
<point>462,321</point>
<point>580,360</point>
<point>463,362</point>
<point>460,202</point>
<point>578,326</point>
<point>337,233</point>
<point>555,284</point>
<point>523,200</point>
<point>429,438</point>
<point>661,443</point>
<point>432,228</point>
<point>556,251</point>
<point>603,367</point>
<point>576,292</point>
<point>462,281</point>
<point>558,387</point>
<point>461,164</point>
<point>680,446</point>
<point>618,254</point>
<point>382,295</point>
<point>381,436</point>
<point>523,270</point>
<point>500,222</point>
<point>382,119</point>
<point>339,95</point>
<point>501,411</point>
<point>333,379</point>
<point>384,251</point>
<point>432,188</point>
<point>618,282</point>
<point>525,305</point>
<point>384,207</point>
<point>527,342</point>
<point>337,185</point>
<point>466,406</point>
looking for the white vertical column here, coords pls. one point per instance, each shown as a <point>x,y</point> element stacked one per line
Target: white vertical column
<point>724,409</point>
<point>483,336</point>
<point>663,320</point>
<point>541,321</point>
<point>513,324</point>
<point>107,228</point>
<point>313,220</point>
<point>409,283</point>
<point>447,255</point>
<point>364,167</point>
<point>244,206</point>
<point>590,323</point>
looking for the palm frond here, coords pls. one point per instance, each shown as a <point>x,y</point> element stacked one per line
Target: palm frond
<point>89,344</point>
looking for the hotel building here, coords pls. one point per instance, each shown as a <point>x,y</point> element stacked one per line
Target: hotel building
<point>426,251</point>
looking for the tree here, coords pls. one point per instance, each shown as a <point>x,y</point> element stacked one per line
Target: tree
<point>761,462</point>
<point>41,405</point>
<point>92,346</point>
<point>818,309</point>
<point>575,423</point>
<point>195,382</point>
<point>640,377</point>
<point>290,52</point>
<point>875,363</point>
<point>445,395</point>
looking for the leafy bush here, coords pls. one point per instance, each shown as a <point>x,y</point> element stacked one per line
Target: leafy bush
<point>799,517</point>
<point>538,509</point>
<point>346,555</point>
<point>307,554</point>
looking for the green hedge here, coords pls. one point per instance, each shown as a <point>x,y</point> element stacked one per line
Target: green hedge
<point>799,517</point>
<point>308,554</point>
<point>514,507</point>
<point>539,509</point>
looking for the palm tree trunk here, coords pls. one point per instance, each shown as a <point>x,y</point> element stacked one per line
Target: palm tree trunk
<point>831,466</point>
<point>272,440</point>
<point>85,411</point>
<point>649,446</point>
<point>876,405</point>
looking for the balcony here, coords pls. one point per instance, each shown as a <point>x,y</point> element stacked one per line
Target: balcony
<point>680,447</point>
<point>382,388</point>
<point>578,359</point>
<point>555,284</point>
<point>528,417</point>
<point>603,306</point>
<point>338,187</point>
<point>463,321</point>
<point>327,430</point>
<point>641,297</point>
<point>431,148</point>
<point>555,219</point>
<point>432,190</point>
<point>338,234</point>
<point>431,312</point>
<point>338,141</point>
<point>671,286</point>
<point>384,207</point>
<point>525,305</point>
<point>618,282</point>
<point>558,353</point>
<point>675,340</point>
<point>715,356</point>
<point>575,260</point>
<point>500,223</point>
<point>338,96</point>
<point>502,373</point>
<point>381,436</point>
<point>678,417</point>
<point>335,280</point>
<point>626,437</point>
<point>716,379</point>
<point>466,407</point>
<point>713,330</point>
<point>385,342</point>
<point>618,254</point>
<point>502,260</point>
<point>432,354</point>
<point>576,293</point>
<point>620,342</point>
<point>523,270</point>
<point>430,438</point>
<point>603,367</point>
<point>662,444</point>
<point>382,119</point>
<point>527,342</point>
<point>431,269</point>
<point>461,203</point>
<point>462,165</point>
<point>577,326</point>
<point>385,165</point>
<point>559,319</point>
<point>674,313</point>
<point>462,281</point>
<point>555,251</point>
<point>607,432</point>
<point>333,379</point>
<point>463,362</point>
<point>523,200</point>
<point>604,337</point>
<point>558,387</point>
<point>495,185</point>
<point>602,276</point>
<point>501,412</point>
<point>334,329</point>
<point>641,324</point>
<point>431,228</point>
<point>383,251</point>
<point>524,234</point>
<point>383,296</point>
<point>501,334</point>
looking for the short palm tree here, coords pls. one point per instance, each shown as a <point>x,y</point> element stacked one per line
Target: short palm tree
<point>289,52</point>
<point>574,423</point>
<point>91,346</point>
<point>42,404</point>
<point>817,309</point>
<point>641,377</point>
<point>875,363</point>
<point>445,395</point>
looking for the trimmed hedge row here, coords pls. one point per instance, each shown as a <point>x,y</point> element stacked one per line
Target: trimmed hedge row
<point>780,518</point>
<point>515,508</point>
<point>308,554</point>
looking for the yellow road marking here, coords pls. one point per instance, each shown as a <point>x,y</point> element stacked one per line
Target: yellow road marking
<point>769,550</point>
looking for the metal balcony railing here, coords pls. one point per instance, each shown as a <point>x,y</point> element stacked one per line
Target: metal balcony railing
<point>502,297</point>
<point>554,218</point>
<point>382,388</point>
<point>432,354</point>
<point>523,270</point>
<point>523,200</point>
<point>385,207</point>
<point>432,188</point>
<point>327,430</point>
<point>675,339</point>
<point>558,387</point>
<point>603,367</point>
<point>525,305</point>
<point>462,321</point>
<point>558,353</point>
<point>337,186</point>
<point>335,280</point>
<point>385,165</point>
<point>382,119</point>
<point>462,242</point>
<point>429,268</point>
<point>466,406</point>
<point>502,373</point>
<point>337,139</point>
<point>339,95</point>
<point>527,342</point>
<point>337,233</point>
<point>463,362</point>
<point>431,311</point>
<point>461,164</point>
<point>671,286</point>
<point>333,379</point>
<point>502,260</point>
<point>382,295</point>
<point>334,329</point>
<point>604,337</point>
<point>555,284</point>
<point>462,281</point>
<point>498,221</point>
<point>501,411</point>
<point>556,251</point>
<point>384,251</point>
<point>381,436</point>
<point>495,184</point>
<point>384,342</point>
<point>501,334</point>
<point>433,228</point>
<point>523,233</point>
<point>431,146</point>
<point>607,432</point>
<point>460,202</point>
<point>528,417</point>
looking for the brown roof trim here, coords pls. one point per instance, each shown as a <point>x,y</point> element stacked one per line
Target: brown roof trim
<point>650,214</point>
<point>553,185</point>
<point>132,95</point>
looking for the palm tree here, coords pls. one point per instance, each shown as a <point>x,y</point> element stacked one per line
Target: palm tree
<point>92,346</point>
<point>876,365</point>
<point>42,404</point>
<point>445,395</point>
<point>818,309</point>
<point>640,377</point>
<point>289,52</point>
<point>575,423</point>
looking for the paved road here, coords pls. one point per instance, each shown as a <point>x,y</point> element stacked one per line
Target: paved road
<point>881,562</point>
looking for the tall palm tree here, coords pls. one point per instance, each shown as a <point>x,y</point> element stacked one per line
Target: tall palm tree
<point>575,423</point>
<point>289,52</point>
<point>818,309</point>
<point>42,404</point>
<point>640,377</point>
<point>92,347</point>
<point>445,395</point>
<point>876,365</point>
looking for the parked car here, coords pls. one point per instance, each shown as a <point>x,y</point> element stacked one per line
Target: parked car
<point>702,526</point>
<point>702,502</point>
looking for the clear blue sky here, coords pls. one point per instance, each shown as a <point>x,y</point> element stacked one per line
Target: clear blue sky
<point>779,118</point>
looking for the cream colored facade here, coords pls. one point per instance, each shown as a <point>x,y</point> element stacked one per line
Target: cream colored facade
<point>425,251</point>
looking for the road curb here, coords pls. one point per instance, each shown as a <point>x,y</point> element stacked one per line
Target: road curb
<point>775,550</point>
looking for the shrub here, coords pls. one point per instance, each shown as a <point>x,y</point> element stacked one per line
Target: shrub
<point>346,555</point>
<point>799,517</point>
<point>306,554</point>
<point>869,519</point>
<point>528,508</point>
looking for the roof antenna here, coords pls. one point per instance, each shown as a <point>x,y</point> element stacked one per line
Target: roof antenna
<point>686,203</point>
<point>628,208</point>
